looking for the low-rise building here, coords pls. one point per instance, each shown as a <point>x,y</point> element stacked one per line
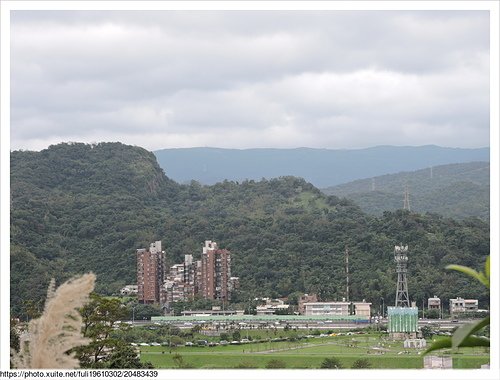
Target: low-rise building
<point>434,303</point>
<point>128,290</point>
<point>459,305</point>
<point>326,308</point>
<point>271,306</point>
<point>306,298</point>
<point>338,308</point>
<point>362,309</point>
<point>214,311</point>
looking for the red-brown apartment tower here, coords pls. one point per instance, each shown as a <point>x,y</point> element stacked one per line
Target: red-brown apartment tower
<point>215,272</point>
<point>150,274</point>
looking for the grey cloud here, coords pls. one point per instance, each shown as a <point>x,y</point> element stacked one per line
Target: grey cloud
<point>325,79</point>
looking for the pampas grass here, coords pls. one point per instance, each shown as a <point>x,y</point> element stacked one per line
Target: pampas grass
<point>58,329</point>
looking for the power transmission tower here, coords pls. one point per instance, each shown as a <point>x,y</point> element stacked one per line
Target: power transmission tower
<point>406,200</point>
<point>401,259</point>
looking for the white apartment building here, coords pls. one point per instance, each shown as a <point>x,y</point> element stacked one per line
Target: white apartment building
<point>459,305</point>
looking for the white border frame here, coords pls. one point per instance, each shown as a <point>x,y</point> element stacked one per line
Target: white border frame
<point>492,6</point>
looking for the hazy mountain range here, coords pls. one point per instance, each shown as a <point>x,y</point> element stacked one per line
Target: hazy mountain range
<point>321,167</point>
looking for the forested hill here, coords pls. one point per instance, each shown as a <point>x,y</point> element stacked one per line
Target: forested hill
<point>321,167</point>
<point>455,190</point>
<point>77,208</point>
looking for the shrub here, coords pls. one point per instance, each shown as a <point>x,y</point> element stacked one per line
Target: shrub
<point>361,363</point>
<point>276,363</point>
<point>245,364</point>
<point>331,363</point>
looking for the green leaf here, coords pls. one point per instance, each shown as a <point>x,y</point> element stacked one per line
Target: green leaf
<point>471,272</point>
<point>487,267</point>
<point>470,341</point>
<point>475,341</point>
<point>467,330</point>
<point>438,345</point>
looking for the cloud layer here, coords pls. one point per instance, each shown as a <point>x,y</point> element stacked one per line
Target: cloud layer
<point>242,79</point>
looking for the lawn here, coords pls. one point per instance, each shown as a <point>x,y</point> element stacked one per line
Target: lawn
<point>304,353</point>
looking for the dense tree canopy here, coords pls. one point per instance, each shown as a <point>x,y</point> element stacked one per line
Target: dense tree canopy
<point>78,207</point>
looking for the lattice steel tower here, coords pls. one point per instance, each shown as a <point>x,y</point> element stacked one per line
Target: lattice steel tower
<point>401,259</point>
<point>406,200</point>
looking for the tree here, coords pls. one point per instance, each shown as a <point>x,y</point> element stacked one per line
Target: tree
<point>426,332</point>
<point>432,314</point>
<point>99,316</point>
<point>176,341</point>
<point>331,363</point>
<point>124,356</point>
<point>361,363</point>
<point>139,311</point>
<point>236,335</point>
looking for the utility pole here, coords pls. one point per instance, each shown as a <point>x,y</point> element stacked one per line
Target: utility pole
<point>347,272</point>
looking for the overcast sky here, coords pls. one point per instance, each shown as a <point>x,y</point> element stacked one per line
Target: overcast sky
<point>247,79</point>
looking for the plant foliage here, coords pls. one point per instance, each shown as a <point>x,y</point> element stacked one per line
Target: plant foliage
<point>464,335</point>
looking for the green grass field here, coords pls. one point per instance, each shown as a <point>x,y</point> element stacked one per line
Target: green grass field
<point>305,353</point>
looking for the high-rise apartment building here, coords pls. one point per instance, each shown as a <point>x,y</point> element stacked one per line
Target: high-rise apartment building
<point>150,274</point>
<point>215,272</point>
<point>180,283</point>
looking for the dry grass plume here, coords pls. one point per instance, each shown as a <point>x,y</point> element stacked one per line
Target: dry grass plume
<point>58,329</point>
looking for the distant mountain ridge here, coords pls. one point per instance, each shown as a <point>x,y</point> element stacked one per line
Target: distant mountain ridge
<point>454,190</point>
<point>321,167</point>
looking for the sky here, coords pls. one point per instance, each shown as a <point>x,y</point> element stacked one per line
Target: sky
<point>250,79</point>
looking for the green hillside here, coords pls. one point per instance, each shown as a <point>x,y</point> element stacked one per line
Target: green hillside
<point>456,190</point>
<point>79,207</point>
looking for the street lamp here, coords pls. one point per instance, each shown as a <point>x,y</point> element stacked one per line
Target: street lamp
<point>383,306</point>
